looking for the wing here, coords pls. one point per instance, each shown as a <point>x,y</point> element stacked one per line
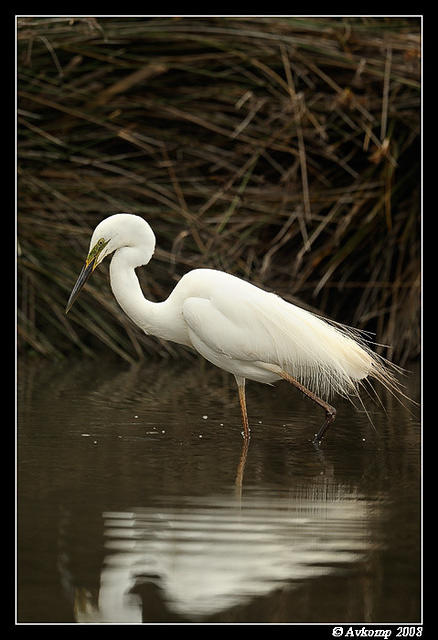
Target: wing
<point>242,322</point>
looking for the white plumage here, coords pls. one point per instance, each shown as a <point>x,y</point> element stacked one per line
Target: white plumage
<point>242,328</point>
<point>237,326</point>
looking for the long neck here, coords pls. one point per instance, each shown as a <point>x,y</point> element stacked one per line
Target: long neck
<point>127,290</point>
<point>161,319</point>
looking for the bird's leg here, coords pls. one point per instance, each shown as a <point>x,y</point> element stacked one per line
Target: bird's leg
<point>241,387</point>
<point>330,412</point>
<point>241,467</point>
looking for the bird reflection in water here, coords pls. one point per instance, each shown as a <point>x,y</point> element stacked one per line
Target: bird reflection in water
<point>194,558</point>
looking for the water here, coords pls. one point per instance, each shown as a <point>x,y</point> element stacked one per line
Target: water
<point>138,501</point>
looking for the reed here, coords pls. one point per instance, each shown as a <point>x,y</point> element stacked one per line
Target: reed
<point>284,150</point>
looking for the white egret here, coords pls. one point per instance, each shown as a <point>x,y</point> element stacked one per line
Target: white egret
<point>237,326</point>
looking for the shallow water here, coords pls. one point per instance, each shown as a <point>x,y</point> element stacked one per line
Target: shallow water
<point>138,501</point>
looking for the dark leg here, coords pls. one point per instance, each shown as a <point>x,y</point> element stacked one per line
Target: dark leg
<point>241,387</point>
<point>330,412</point>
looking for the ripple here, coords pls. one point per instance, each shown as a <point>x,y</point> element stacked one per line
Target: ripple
<point>207,555</point>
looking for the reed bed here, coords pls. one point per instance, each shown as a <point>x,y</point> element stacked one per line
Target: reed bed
<point>284,150</point>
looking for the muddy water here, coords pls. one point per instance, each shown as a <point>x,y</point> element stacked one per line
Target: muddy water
<point>138,502</point>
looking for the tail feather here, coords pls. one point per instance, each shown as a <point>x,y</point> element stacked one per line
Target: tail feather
<point>326,356</point>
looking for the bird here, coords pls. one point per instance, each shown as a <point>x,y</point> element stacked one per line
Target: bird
<point>241,328</point>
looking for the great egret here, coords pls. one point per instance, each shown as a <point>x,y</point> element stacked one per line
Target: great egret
<point>237,326</point>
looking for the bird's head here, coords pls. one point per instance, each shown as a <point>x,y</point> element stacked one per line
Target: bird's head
<point>115,232</point>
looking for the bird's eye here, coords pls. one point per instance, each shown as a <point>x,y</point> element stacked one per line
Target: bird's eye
<point>101,242</point>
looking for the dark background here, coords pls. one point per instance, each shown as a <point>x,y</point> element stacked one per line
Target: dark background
<point>284,150</point>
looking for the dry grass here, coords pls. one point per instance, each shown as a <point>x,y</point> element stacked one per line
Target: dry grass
<point>285,150</point>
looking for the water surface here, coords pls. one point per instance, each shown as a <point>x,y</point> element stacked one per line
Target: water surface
<point>138,501</point>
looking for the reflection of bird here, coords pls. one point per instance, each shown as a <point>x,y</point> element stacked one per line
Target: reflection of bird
<point>204,558</point>
<point>237,326</point>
